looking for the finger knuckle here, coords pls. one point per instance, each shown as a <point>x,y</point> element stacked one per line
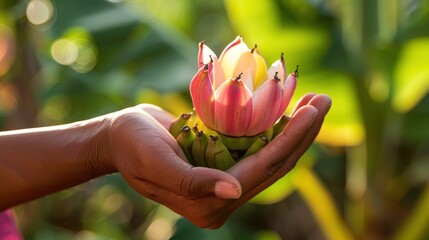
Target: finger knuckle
<point>268,170</point>
<point>187,188</point>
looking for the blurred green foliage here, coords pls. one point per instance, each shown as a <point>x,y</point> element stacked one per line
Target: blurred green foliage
<point>365,178</point>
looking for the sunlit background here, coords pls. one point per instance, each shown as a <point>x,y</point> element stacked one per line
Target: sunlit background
<point>367,177</point>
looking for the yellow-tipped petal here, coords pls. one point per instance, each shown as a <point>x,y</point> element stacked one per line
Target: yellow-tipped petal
<point>261,68</point>
<point>245,63</point>
<point>236,58</point>
<point>246,77</point>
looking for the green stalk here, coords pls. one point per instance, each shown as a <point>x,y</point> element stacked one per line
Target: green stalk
<point>363,23</point>
<point>418,221</point>
<point>322,206</point>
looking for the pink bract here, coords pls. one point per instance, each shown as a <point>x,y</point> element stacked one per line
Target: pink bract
<point>236,94</point>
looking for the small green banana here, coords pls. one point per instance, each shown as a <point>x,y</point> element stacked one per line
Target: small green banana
<point>259,143</point>
<point>186,139</point>
<point>217,154</point>
<point>280,125</point>
<point>211,151</point>
<point>199,148</point>
<point>223,158</point>
<point>237,143</point>
<point>178,123</point>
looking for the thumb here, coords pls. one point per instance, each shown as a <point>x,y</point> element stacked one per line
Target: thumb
<point>202,182</point>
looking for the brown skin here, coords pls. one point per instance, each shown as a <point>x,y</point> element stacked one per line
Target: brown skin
<point>135,142</point>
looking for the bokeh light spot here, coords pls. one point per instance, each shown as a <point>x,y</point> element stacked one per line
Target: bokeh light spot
<point>64,51</point>
<point>39,11</point>
<point>75,49</point>
<point>7,48</point>
<point>56,109</point>
<point>113,203</point>
<point>160,228</point>
<point>87,56</point>
<point>8,100</point>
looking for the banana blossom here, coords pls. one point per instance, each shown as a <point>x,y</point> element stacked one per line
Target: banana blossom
<point>236,94</point>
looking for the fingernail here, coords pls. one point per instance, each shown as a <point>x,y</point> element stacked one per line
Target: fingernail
<point>313,118</point>
<point>226,190</point>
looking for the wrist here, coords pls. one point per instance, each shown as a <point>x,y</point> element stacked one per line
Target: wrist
<point>96,150</point>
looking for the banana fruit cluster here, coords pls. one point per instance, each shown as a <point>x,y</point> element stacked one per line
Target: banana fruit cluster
<point>207,148</point>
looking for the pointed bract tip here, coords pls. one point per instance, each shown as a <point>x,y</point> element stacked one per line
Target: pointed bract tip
<point>254,48</point>
<point>238,78</point>
<point>202,43</point>
<point>199,134</point>
<point>276,77</point>
<point>213,138</point>
<point>296,70</point>
<point>195,128</point>
<point>238,39</point>
<point>282,57</point>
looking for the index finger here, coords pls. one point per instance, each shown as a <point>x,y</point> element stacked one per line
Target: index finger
<point>257,168</point>
<point>322,103</point>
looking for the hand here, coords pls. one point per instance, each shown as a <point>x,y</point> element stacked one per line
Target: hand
<point>151,161</point>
